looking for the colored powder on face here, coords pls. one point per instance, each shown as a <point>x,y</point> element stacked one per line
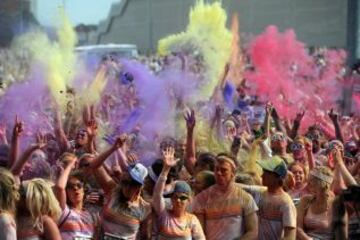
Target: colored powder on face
<point>206,33</point>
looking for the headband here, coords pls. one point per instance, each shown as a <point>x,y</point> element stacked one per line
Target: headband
<point>321,176</point>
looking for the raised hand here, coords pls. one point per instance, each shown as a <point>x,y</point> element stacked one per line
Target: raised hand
<point>91,128</point>
<point>18,127</point>
<point>169,157</point>
<point>308,146</point>
<point>269,108</point>
<point>190,119</point>
<point>299,116</point>
<point>333,115</point>
<point>41,141</point>
<point>69,159</point>
<point>132,158</point>
<point>120,141</point>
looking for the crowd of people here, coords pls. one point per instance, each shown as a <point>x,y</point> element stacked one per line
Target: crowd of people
<point>159,148</point>
<point>271,182</point>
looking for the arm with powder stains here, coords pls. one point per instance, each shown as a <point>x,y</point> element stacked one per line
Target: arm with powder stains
<point>278,125</point>
<point>296,125</point>
<point>18,166</point>
<point>335,119</point>
<point>14,147</point>
<point>190,155</point>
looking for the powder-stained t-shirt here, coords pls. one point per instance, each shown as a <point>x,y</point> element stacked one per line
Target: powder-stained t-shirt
<point>124,222</point>
<point>75,223</point>
<point>224,211</point>
<point>276,211</point>
<point>186,228</point>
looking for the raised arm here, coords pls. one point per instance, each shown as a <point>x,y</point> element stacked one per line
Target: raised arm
<point>168,162</point>
<point>268,110</point>
<point>99,160</point>
<point>3,138</point>
<point>309,154</point>
<point>296,125</point>
<point>337,154</point>
<point>14,148</point>
<point>335,119</point>
<point>60,185</point>
<point>59,132</point>
<point>190,158</point>
<point>278,125</point>
<point>18,166</point>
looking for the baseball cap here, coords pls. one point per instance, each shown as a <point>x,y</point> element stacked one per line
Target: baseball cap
<point>274,164</point>
<point>138,172</point>
<point>180,187</point>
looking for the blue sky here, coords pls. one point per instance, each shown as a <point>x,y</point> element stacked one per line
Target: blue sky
<point>79,11</point>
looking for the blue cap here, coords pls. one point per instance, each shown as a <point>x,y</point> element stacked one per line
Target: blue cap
<point>180,187</point>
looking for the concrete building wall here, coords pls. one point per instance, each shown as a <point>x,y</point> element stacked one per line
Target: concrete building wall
<point>144,22</point>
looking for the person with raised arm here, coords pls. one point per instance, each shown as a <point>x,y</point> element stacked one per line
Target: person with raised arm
<point>175,223</point>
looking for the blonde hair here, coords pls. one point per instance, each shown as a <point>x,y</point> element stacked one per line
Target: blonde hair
<point>40,200</point>
<point>9,193</point>
<point>325,186</point>
<point>303,167</point>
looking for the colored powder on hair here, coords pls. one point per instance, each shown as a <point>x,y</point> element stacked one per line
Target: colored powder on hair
<point>207,34</point>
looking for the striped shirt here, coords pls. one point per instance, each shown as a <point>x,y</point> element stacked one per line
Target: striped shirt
<point>275,213</point>
<point>223,212</point>
<point>77,224</point>
<point>186,228</point>
<point>124,222</point>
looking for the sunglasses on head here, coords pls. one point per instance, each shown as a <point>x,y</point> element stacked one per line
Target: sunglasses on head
<point>73,186</point>
<point>277,137</point>
<point>296,147</point>
<point>180,197</point>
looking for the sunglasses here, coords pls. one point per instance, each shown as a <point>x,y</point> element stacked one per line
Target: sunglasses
<point>277,137</point>
<point>181,197</point>
<point>73,186</point>
<point>312,136</point>
<point>296,147</point>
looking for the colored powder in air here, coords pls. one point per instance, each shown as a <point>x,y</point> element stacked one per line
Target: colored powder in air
<point>58,58</point>
<point>207,34</point>
<point>290,78</point>
<point>236,62</point>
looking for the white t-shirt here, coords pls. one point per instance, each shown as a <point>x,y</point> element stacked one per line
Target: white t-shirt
<point>7,227</point>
